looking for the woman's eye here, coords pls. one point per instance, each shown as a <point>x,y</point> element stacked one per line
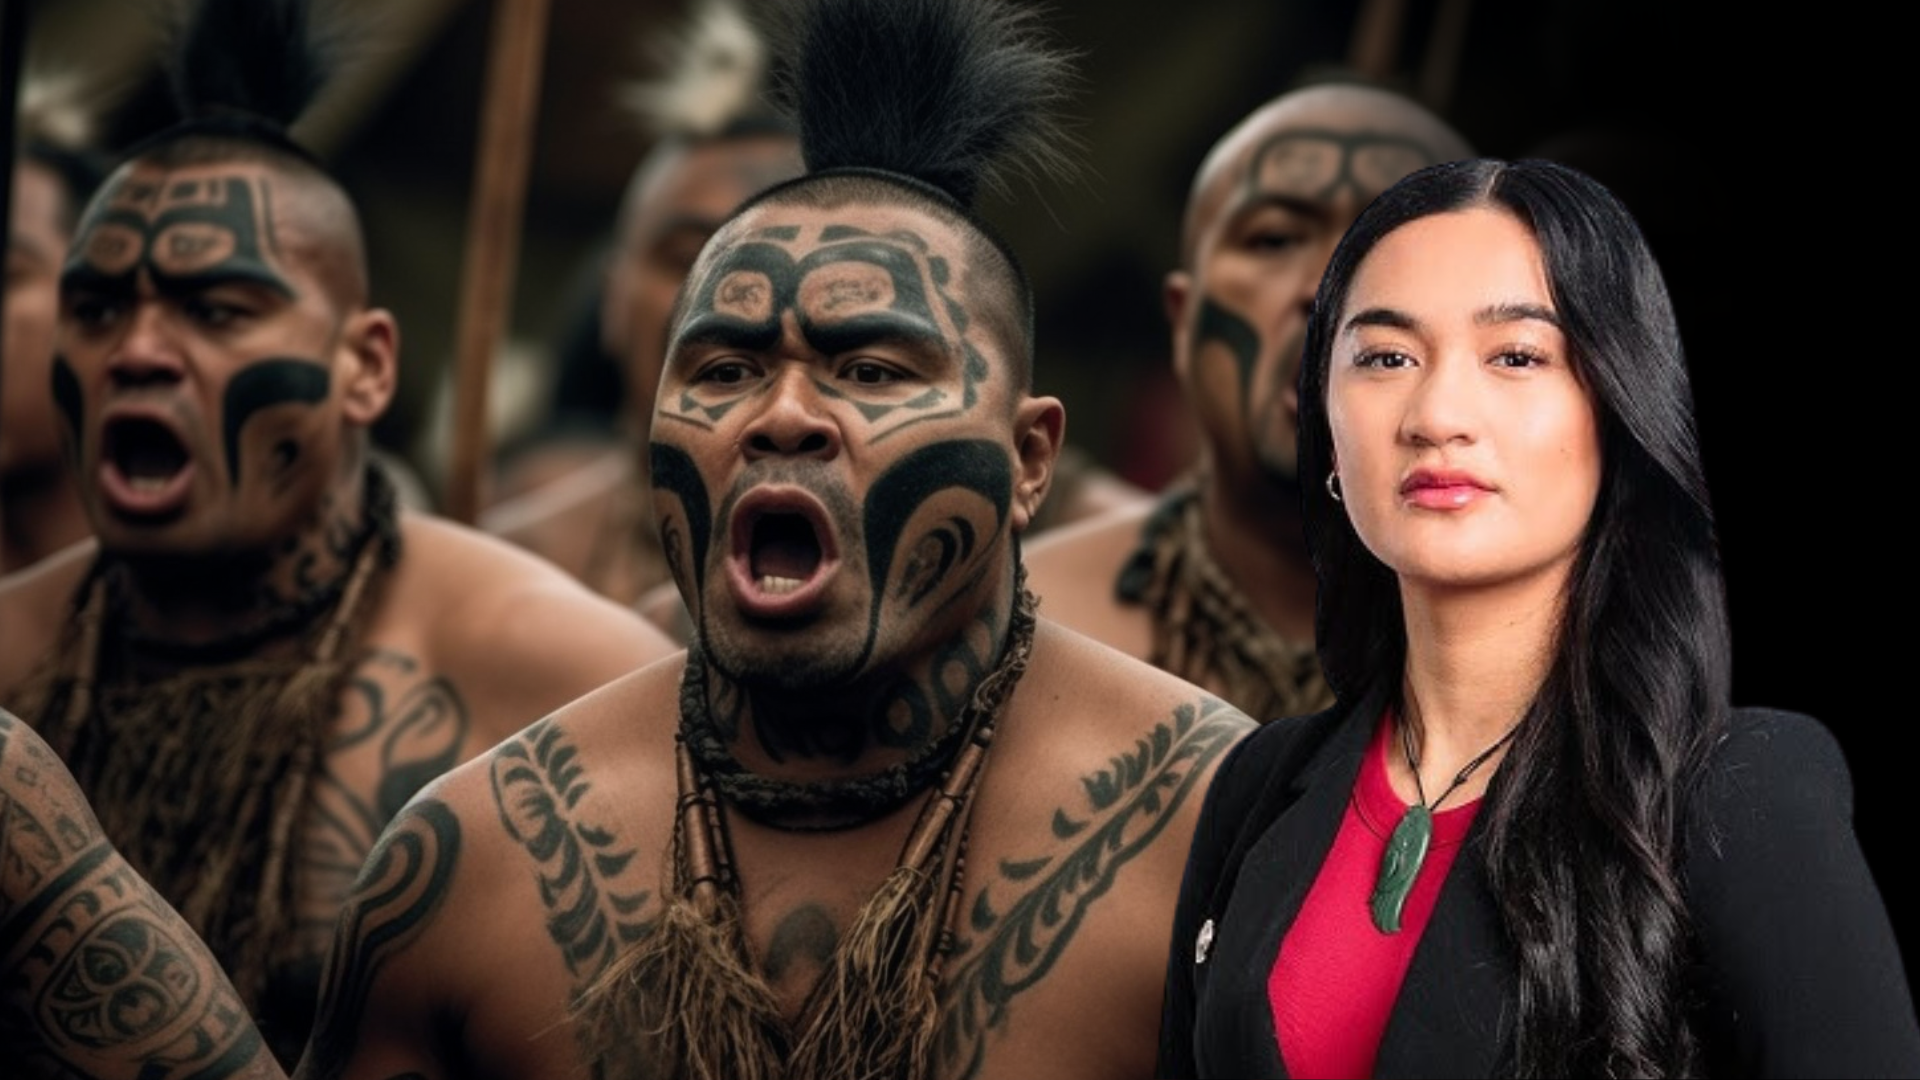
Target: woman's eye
<point>1518,358</point>
<point>1383,358</point>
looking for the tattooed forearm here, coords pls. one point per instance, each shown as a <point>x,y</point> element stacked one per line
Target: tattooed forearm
<point>537,782</point>
<point>98,975</point>
<point>403,885</point>
<point>1128,806</point>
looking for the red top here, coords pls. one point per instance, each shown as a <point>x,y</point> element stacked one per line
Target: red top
<point>1333,985</point>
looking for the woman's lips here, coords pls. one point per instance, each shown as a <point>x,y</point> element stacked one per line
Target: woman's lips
<point>1438,489</point>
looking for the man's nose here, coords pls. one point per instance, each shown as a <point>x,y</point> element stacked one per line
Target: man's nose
<point>793,420</point>
<point>146,353</point>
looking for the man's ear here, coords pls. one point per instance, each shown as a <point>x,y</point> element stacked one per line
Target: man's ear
<point>372,344</point>
<point>1176,293</point>
<point>1039,428</point>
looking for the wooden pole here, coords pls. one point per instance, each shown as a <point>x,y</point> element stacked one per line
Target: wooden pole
<point>1375,48</point>
<point>493,239</point>
<point>1442,68</point>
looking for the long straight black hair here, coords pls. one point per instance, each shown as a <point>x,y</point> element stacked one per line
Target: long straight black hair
<point>1583,818</point>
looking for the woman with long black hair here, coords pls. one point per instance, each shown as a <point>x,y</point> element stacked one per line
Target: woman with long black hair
<point>1533,836</point>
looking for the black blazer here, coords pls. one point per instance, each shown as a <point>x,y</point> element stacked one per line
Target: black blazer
<point>1800,974</point>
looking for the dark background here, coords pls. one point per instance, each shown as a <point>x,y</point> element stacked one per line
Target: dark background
<point>1755,148</point>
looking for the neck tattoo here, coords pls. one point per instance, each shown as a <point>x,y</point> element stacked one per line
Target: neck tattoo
<point>276,616</point>
<point>1407,847</point>
<point>837,804</point>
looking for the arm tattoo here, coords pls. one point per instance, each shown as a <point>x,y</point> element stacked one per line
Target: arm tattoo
<point>403,885</point>
<point>537,782</point>
<point>396,727</point>
<point>95,968</point>
<point>1132,801</point>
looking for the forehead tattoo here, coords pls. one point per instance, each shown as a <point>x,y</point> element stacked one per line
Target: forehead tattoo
<point>857,287</point>
<point>1315,163</point>
<point>182,231</point>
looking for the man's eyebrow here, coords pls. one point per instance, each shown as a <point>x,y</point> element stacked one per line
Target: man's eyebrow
<point>874,328</point>
<point>726,331</point>
<point>1258,200</point>
<point>85,276</point>
<point>216,277</point>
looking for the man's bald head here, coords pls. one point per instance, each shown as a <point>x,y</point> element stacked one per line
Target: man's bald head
<point>1267,208</point>
<point>312,218</point>
<point>1377,136</point>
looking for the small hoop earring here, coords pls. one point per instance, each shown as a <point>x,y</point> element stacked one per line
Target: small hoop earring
<point>1333,486</point>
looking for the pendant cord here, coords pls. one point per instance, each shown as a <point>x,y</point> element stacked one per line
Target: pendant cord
<point>1413,764</point>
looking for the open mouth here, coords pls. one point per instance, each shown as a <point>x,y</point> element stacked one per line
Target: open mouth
<point>145,453</point>
<point>145,470</point>
<point>783,552</point>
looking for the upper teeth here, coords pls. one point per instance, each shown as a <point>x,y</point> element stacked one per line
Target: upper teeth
<point>779,585</point>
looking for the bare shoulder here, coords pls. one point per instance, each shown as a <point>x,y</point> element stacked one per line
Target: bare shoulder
<point>1094,725</point>
<point>1072,569</point>
<point>1102,694</point>
<point>35,602</point>
<point>513,599</point>
<point>515,635</point>
<point>1092,729</point>
<point>501,890</point>
<point>1079,836</point>
<point>604,762</point>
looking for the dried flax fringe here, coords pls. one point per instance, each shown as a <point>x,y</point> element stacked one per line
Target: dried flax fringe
<point>179,770</point>
<point>690,995</point>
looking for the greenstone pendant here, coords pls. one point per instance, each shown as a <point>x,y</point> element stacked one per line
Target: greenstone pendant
<point>1399,866</point>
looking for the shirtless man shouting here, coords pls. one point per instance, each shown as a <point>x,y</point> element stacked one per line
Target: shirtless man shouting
<point>918,831</point>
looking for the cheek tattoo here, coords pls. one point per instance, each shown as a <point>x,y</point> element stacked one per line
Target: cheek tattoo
<point>264,385</point>
<point>974,465</point>
<point>1216,323</point>
<point>674,472</point>
<point>67,399</point>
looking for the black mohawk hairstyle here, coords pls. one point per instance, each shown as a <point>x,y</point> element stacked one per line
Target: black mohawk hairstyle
<point>958,94</point>
<point>247,68</point>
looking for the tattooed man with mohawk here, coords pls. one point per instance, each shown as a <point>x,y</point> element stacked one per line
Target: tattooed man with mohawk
<point>880,819</point>
<point>260,656</point>
<point>585,501</point>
